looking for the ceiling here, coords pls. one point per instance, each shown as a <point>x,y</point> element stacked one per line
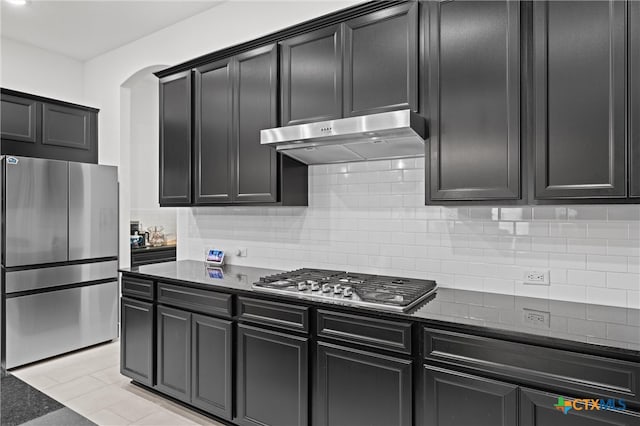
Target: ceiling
<point>84,29</point>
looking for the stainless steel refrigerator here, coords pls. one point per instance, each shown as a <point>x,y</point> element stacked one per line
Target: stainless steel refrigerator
<point>59,250</point>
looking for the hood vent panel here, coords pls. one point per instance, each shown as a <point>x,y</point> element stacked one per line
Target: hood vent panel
<point>396,134</point>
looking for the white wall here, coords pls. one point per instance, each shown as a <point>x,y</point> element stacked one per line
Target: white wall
<point>370,217</point>
<point>230,23</point>
<point>30,69</point>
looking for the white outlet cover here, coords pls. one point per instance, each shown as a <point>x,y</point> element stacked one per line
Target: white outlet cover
<point>536,277</point>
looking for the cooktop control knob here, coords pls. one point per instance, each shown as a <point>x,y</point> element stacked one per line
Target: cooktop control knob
<point>326,288</point>
<point>302,285</point>
<point>337,289</point>
<point>347,292</point>
<point>315,286</point>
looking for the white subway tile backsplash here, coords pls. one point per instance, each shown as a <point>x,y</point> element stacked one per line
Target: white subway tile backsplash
<point>371,217</point>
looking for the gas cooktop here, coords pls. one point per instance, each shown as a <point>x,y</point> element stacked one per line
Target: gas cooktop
<point>375,291</point>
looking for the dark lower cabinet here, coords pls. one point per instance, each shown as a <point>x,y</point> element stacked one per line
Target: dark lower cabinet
<point>175,140</point>
<point>458,399</point>
<point>361,388</point>
<point>211,365</point>
<point>579,92</point>
<point>272,378</point>
<point>634,97</point>
<point>473,89</point>
<point>137,340</point>
<point>174,352</point>
<point>381,61</point>
<point>539,409</point>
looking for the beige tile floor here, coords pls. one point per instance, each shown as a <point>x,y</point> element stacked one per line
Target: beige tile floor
<point>89,382</point>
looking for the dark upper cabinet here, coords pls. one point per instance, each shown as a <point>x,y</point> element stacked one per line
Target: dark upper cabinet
<point>634,97</point>
<point>175,139</point>
<point>214,132</point>
<point>381,61</point>
<point>474,101</point>
<point>311,76</point>
<point>19,119</point>
<point>538,409</point>
<point>361,388</point>
<point>65,126</point>
<point>211,350</point>
<point>255,166</point>
<point>273,379</point>
<point>136,341</point>
<point>173,352</point>
<point>579,91</point>
<point>458,399</point>
<point>33,126</point>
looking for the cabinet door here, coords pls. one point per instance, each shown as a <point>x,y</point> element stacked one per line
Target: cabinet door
<point>66,127</point>
<point>136,340</point>
<point>457,399</point>
<point>579,50</point>
<point>381,61</point>
<point>541,409</point>
<point>174,353</point>
<point>273,380</point>
<point>634,96</point>
<point>311,76</point>
<point>175,139</point>
<point>474,101</point>
<point>18,121</point>
<point>256,174</point>
<point>361,388</point>
<point>213,133</point>
<point>211,365</point>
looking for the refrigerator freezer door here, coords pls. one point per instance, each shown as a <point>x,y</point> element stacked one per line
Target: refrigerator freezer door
<point>93,211</point>
<point>36,196</point>
<point>51,323</point>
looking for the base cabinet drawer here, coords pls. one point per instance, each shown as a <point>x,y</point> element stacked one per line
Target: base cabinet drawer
<point>546,409</point>
<point>361,388</point>
<point>273,379</point>
<point>137,341</point>
<point>458,399</point>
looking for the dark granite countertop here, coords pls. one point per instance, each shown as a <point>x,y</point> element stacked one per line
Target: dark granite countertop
<point>152,248</point>
<point>578,326</point>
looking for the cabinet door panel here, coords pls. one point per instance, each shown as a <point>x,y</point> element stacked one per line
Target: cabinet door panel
<point>311,76</point>
<point>18,119</point>
<point>474,101</point>
<point>211,365</point>
<point>361,388</point>
<point>579,51</point>
<point>272,379</point>
<point>256,94</point>
<point>634,96</point>
<point>539,409</point>
<point>381,61</point>
<point>173,352</point>
<point>175,139</point>
<point>66,127</point>
<point>136,340</point>
<point>486,402</point>
<point>214,133</point>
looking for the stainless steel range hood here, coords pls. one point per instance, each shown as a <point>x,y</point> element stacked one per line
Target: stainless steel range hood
<point>395,134</point>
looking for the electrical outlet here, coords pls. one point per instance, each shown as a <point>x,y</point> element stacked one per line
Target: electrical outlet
<point>241,252</point>
<point>536,318</point>
<point>536,277</point>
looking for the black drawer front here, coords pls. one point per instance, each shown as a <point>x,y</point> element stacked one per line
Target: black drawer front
<point>273,313</point>
<point>193,299</point>
<point>137,287</point>
<point>376,333</point>
<point>519,362</point>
